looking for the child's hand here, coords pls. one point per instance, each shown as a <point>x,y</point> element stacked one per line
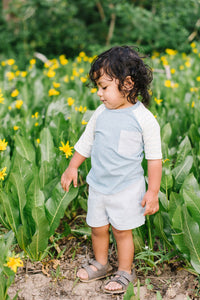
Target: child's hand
<point>150,200</point>
<point>70,174</point>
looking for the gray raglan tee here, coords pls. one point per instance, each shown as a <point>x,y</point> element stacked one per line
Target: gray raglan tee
<point>116,140</point>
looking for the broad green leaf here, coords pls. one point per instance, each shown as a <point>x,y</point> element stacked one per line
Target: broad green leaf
<point>35,199</point>
<point>178,236</point>
<point>192,240</point>
<point>184,150</point>
<point>167,179</point>
<point>22,238</point>
<point>46,173</point>
<point>159,221</point>
<point>138,239</point>
<point>38,91</point>
<point>181,171</point>
<point>192,202</point>
<point>82,231</point>
<point>54,108</point>
<point>11,211</point>
<point>166,133</point>
<point>58,126</point>
<point>25,148</point>
<point>163,200</point>
<point>57,204</point>
<point>191,183</point>
<point>175,200</point>
<point>46,146</point>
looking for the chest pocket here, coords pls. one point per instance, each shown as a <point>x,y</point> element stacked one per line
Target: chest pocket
<point>130,143</point>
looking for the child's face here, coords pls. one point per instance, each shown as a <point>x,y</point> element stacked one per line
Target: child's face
<point>109,93</point>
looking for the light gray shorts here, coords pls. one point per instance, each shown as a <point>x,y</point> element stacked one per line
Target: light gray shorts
<point>122,210</point>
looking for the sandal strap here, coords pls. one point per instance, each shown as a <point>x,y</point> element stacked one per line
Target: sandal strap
<point>101,269</point>
<point>123,277</point>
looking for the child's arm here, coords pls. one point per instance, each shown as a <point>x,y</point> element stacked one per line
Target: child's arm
<point>71,173</point>
<point>150,199</point>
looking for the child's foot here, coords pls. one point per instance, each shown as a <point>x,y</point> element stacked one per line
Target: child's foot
<point>119,283</point>
<point>93,271</point>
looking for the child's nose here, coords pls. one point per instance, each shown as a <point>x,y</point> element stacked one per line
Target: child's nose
<point>99,92</point>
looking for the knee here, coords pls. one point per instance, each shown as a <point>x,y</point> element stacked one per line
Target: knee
<point>120,234</point>
<point>99,231</point>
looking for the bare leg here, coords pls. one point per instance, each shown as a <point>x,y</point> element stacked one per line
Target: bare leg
<point>100,244</point>
<point>125,248</point>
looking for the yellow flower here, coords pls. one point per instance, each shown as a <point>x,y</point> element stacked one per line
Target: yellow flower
<point>83,79</point>
<point>193,45</point>
<point>198,78</point>
<point>1,97</point>
<point>3,173</point>
<point>173,71</point>
<point>10,62</point>
<point>72,78</point>
<point>18,104</point>
<point>3,63</point>
<point>9,107</point>
<point>167,83</point>
<point>188,64</point>
<point>79,59</point>
<point>94,90</point>
<point>171,51</point>
<point>56,84</point>
<point>70,101</point>
<point>32,61</point>
<point>3,145</point>
<point>81,70</point>
<point>66,78</point>
<point>63,60</point>
<point>195,50</point>
<point>14,262</point>
<point>174,85</point>
<point>84,122</point>
<point>36,124</point>
<point>10,75</point>
<point>193,104</point>
<point>181,67</point>
<point>75,73</point>
<point>35,115</point>
<point>16,128</point>
<point>66,149</point>
<point>82,54</point>
<point>17,73</point>
<point>53,92</point>
<point>15,93</point>
<point>51,73</point>
<point>38,141</point>
<point>158,101</point>
<point>23,73</point>
<point>165,160</point>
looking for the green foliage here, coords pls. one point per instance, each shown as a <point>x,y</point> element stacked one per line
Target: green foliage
<point>72,26</point>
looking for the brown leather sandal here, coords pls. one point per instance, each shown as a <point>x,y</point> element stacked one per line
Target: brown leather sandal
<point>101,272</point>
<point>123,278</point>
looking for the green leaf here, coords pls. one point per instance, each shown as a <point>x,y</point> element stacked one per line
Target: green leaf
<point>174,201</point>
<point>166,133</point>
<point>192,202</point>
<point>57,204</point>
<point>129,295</point>
<point>46,173</point>
<point>183,151</point>
<point>58,126</point>
<point>25,148</point>
<point>191,183</point>
<point>138,238</point>
<point>82,231</point>
<point>159,221</point>
<point>46,146</point>
<point>181,171</point>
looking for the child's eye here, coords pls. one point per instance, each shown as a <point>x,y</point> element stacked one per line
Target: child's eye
<point>104,87</point>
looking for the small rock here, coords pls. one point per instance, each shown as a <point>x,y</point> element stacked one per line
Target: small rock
<point>171,293</point>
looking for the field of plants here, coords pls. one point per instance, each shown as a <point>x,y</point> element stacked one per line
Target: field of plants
<point>43,111</point>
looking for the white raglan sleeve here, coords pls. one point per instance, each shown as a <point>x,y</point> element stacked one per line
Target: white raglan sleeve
<point>85,142</point>
<point>151,133</point>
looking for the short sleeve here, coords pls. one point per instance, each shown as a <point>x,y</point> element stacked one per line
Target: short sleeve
<point>150,132</point>
<point>85,142</point>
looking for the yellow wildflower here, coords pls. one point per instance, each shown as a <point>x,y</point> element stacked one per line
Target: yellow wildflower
<point>198,78</point>
<point>3,63</point>
<point>79,59</point>
<point>173,71</point>
<point>32,61</point>
<point>84,122</point>
<point>3,145</point>
<point>53,92</point>
<point>193,104</point>
<point>93,90</point>
<point>195,50</point>
<point>66,78</point>
<point>51,73</point>
<point>75,73</point>
<point>81,70</point>
<point>1,97</point>
<point>83,79</point>
<point>38,141</point>
<point>35,115</point>
<point>181,67</point>
<point>188,64</point>
<point>17,73</point>
<point>16,128</point>
<point>63,60</point>
<point>66,149</point>
<point>171,51</point>
<point>10,61</point>
<point>70,101</point>
<point>36,124</point>
<point>23,73</point>
<point>15,93</point>
<point>9,107</point>
<point>72,78</point>
<point>82,54</point>
<point>193,45</point>
<point>56,84</point>
<point>158,101</point>
<point>14,262</point>
<point>165,160</point>
<point>10,75</point>
<point>3,173</point>
<point>18,104</point>
<point>85,58</point>
<point>167,83</point>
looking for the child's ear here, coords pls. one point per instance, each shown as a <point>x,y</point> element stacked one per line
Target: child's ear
<point>128,83</point>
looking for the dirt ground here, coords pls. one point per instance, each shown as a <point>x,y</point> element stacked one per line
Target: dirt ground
<point>55,279</point>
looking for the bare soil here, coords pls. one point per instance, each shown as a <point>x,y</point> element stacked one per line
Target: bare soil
<point>55,278</point>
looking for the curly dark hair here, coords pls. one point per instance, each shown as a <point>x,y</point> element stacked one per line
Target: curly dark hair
<point>120,62</point>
